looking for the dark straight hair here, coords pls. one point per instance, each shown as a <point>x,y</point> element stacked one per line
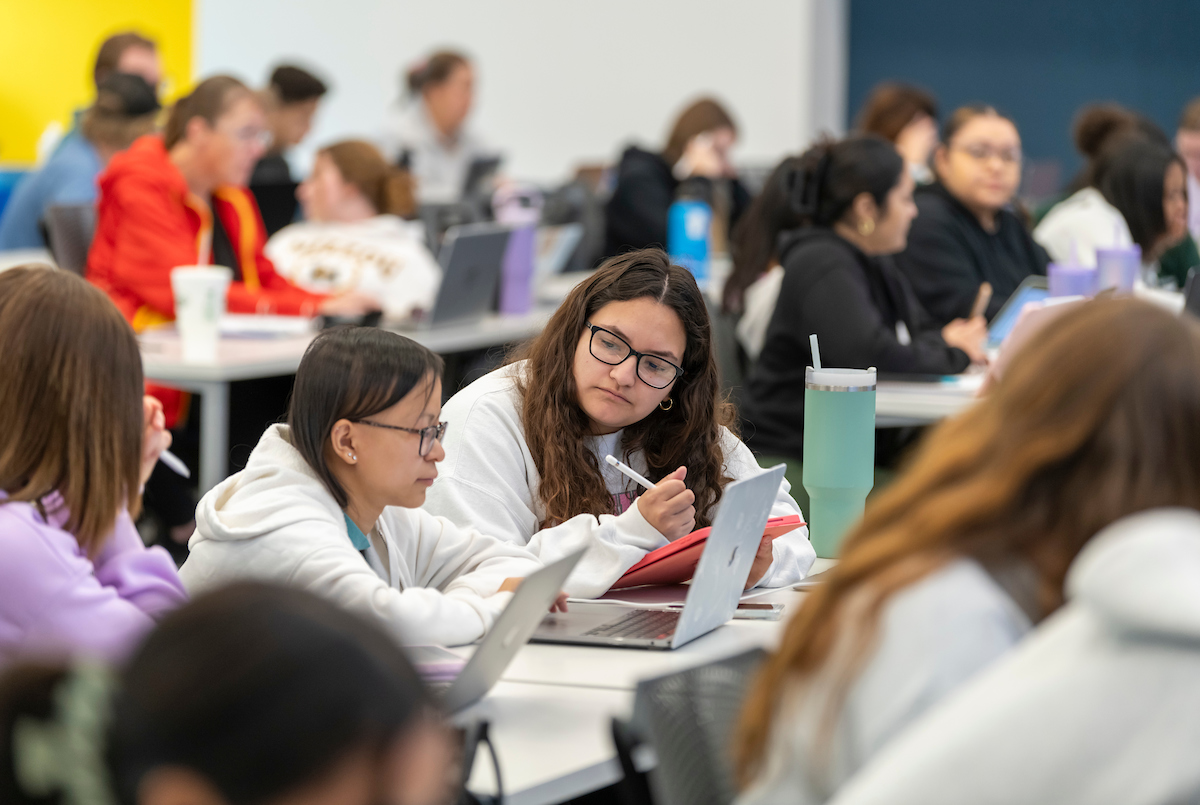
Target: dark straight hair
<point>964,115</point>
<point>1130,175</point>
<point>814,189</point>
<point>352,373</point>
<point>260,690</point>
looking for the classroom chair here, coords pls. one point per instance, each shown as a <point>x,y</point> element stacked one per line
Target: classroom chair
<point>69,231</point>
<point>687,719</point>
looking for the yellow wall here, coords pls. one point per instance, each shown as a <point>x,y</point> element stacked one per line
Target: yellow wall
<point>47,48</point>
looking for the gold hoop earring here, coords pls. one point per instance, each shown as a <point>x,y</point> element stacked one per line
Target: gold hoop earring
<point>866,226</point>
<point>668,406</point>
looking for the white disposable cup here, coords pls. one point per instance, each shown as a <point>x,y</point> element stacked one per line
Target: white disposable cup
<point>199,304</point>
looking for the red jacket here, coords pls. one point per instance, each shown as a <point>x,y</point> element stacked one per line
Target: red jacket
<point>148,222</point>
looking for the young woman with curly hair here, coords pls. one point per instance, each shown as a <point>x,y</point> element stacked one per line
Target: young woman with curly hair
<point>625,366</point>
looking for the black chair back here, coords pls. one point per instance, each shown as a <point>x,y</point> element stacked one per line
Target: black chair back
<point>688,719</point>
<point>69,232</point>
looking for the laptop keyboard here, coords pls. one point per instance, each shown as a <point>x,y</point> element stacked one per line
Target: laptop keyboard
<point>649,624</point>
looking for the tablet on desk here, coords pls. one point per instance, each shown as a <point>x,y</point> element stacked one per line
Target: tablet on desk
<point>1033,288</point>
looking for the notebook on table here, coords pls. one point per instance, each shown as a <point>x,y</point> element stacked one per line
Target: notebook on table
<point>713,596</point>
<point>676,562</point>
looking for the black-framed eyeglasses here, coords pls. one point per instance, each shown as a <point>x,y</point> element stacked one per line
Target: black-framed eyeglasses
<point>428,435</point>
<point>608,347</point>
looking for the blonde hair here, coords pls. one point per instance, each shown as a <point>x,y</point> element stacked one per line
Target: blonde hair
<point>70,400</point>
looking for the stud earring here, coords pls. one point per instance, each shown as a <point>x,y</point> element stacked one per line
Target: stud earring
<point>352,457</point>
<point>866,226</point>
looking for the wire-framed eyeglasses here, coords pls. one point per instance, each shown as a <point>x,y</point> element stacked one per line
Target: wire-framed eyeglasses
<point>608,347</point>
<point>429,435</point>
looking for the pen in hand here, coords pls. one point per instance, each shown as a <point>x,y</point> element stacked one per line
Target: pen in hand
<point>629,472</point>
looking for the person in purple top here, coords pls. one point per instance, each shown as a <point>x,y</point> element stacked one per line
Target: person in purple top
<point>79,440</point>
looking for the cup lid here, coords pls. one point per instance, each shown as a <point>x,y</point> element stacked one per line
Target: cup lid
<point>840,379</point>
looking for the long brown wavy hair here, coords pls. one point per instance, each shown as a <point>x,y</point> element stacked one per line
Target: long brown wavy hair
<point>557,429</point>
<point>1097,420</point>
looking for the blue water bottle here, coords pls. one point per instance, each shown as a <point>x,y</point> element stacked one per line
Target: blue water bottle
<point>689,232</point>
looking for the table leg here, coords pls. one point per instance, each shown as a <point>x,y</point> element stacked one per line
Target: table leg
<point>214,434</point>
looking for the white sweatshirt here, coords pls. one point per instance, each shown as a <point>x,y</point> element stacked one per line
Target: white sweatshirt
<point>275,521</point>
<point>933,636</point>
<point>1086,222</point>
<point>489,481</point>
<point>384,257</point>
<point>1100,706</point>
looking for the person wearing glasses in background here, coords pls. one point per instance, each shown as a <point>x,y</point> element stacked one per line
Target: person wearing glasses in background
<point>966,232</point>
<point>625,367</point>
<point>330,501</point>
<point>179,199</point>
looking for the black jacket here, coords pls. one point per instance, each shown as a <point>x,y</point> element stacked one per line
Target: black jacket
<point>636,214</point>
<point>855,304</point>
<point>950,254</point>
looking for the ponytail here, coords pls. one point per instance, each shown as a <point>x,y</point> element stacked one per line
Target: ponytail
<point>814,189</point>
<point>433,71</point>
<point>390,190</point>
<point>210,99</point>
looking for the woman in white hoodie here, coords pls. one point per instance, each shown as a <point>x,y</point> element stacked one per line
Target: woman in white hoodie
<point>954,563</point>
<point>354,237</point>
<point>1100,706</point>
<point>329,502</point>
<point>1138,196</point>
<point>624,367</point>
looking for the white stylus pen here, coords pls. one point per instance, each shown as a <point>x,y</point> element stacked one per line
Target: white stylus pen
<point>625,468</point>
<point>174,463</point>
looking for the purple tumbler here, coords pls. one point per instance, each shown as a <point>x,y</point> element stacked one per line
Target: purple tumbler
<point>1071,280</point>
<point>516,275</point>
<point>1119,267</point>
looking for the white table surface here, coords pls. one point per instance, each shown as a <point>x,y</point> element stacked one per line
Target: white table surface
<point>12,258</point>
<point>249,358</point>
<point>551,712</point>
<point>899,403</point>
<point>554,742</point>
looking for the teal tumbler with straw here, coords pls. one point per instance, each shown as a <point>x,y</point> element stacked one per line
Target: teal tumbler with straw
<point>839,450</point>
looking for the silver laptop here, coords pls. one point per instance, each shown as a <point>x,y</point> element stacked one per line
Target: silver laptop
<point>556,245</point>
<point>471,257</point>
<point>714,593</point>
<point>508,634</point>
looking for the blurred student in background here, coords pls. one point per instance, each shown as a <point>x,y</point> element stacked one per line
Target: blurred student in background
<point>837,213</point>
<point>128,52</point>
<point>290,100</point>
<point>966,232</point>
<point>131,53</point>
<point>429,134</point>
<point>181,198</point>
<point>1138,195</point>
<point>954,563</point>
<point>354,236</point>
<point>698,152</point>
<point>125,108</point>
<point>252,695</point>
<point>79,441</point>
<point>907,117</point>
<point>1176,262</point>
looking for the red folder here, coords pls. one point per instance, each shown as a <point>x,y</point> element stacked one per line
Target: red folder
<point>676,562</point>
